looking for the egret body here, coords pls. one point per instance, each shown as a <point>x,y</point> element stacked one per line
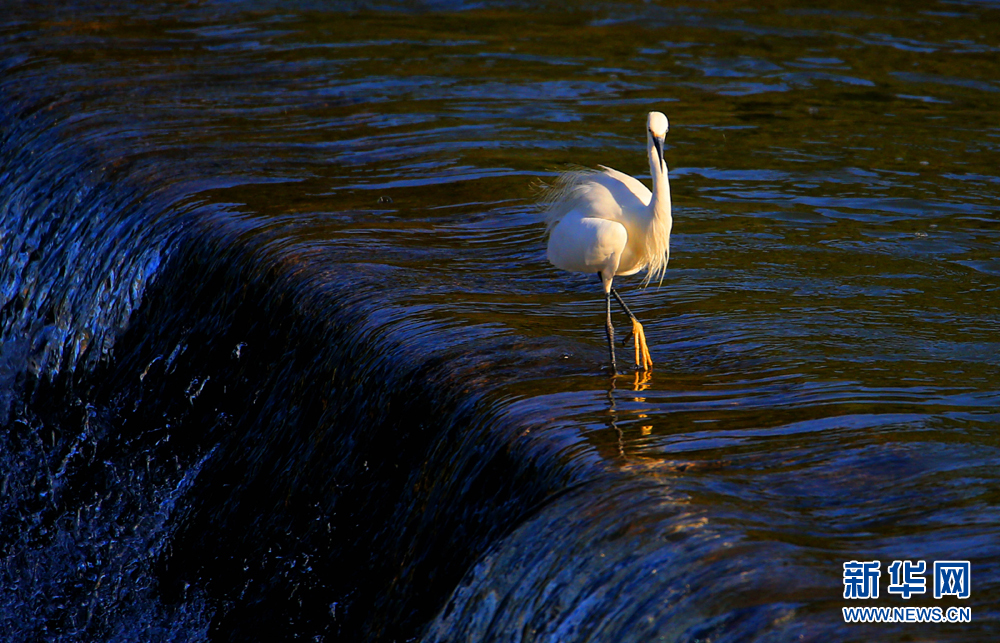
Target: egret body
<point>608,223</point>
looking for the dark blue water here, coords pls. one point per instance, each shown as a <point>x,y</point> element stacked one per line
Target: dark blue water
<point>282,358</point>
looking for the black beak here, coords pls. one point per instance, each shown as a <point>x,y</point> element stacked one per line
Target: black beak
<point>658,144</point>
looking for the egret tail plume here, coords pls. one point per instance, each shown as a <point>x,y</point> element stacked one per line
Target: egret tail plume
<point>564,194</point>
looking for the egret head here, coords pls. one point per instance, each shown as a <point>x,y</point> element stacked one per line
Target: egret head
<point>657,126</point>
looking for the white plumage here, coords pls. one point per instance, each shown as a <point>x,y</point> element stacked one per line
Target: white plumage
<point>608,223</point>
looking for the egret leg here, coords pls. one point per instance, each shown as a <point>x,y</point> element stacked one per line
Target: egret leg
<point>643,359</point>
<point>610,330</point>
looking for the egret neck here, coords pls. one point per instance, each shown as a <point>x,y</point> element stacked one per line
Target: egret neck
<point>659,205</point>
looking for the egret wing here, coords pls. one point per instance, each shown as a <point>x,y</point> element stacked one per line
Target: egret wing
<point>630,193</point>
<point>587,244</point>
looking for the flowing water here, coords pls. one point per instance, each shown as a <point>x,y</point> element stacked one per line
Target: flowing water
<point>283,358</point>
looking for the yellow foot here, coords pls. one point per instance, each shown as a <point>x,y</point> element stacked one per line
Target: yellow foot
<point>643,359</point>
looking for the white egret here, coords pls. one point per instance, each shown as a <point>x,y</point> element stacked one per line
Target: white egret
<point>606,222</point>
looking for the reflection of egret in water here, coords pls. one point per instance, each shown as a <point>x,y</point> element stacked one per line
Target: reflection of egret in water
<point>608,223</point>
<point>640,383</point>
<point>638,461</point>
